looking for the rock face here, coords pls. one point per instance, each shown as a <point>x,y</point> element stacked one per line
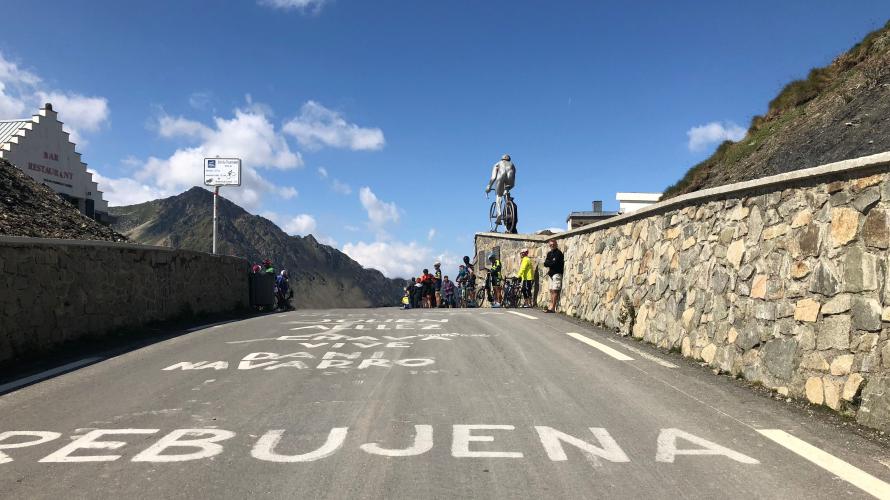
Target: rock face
<point>803,306</point>
<point>320,275</point>
<point>832,115</point>
<point>28,208</point>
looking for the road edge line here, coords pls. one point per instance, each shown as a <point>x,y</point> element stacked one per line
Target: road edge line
<point>844,470</point>
<point>620,356</point>
<point>38,377</point>
<point>529,316</point>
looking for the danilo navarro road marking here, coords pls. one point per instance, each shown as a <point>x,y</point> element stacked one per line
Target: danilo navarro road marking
<point>853,475</point>
<point>604,348</point>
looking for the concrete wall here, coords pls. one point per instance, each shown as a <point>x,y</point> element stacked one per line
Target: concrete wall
<point>783,280</point>
<point>52,291</point>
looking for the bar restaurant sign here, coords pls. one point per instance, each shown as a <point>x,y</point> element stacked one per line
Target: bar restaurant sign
<point>222,171</point>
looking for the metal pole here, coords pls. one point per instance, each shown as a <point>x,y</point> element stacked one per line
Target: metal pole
<point>215,196</point>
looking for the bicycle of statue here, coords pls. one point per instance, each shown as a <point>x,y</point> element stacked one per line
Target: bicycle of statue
<point>508,213</point>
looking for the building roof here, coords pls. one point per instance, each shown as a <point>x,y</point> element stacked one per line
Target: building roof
<point>8,129</point>
<point>591,215</point>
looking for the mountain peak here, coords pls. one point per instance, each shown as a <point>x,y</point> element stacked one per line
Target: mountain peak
<point>322,276</point>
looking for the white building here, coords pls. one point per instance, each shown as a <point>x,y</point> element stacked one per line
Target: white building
<point>42,149</point>
<point>630,202</point>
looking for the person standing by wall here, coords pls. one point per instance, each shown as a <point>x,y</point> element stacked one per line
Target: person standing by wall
<point>527,275</point>
<point>555,264</point>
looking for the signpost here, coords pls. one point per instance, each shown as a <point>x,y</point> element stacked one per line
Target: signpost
<point>221,172</point>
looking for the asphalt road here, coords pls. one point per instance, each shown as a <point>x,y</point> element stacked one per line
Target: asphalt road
<point>416,404</point>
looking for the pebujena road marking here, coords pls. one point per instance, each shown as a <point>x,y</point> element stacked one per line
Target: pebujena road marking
<point>526,316</point>
<point>11,386</point>
<point>853,475</point>
<point>604,348</point>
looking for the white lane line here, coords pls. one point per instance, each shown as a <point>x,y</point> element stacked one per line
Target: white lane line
<point>853,475</point>
<point>527,316</point>
<point>606,349</point>
<point>644,354</point>
<point>46,374</point>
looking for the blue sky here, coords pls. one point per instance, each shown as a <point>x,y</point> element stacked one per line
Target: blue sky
<point>406,105</point>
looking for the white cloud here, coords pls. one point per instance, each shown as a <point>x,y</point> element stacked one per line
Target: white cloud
<point>22,93</point>
<point>327,240</point>
<point>379,211</point>
<point>702,136</point>
<point>341,187</point>
<point>393,259</point>
<point>248,135</point>
<point>125,191</point>
<point>323,172</point>
<point>313,6</point>
<point>431,234</point>
<point>318,126</point>
<point>302,225</point>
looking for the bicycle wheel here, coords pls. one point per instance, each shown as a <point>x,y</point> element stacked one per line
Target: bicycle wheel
<point>509,218</point>
<point>493,216</point>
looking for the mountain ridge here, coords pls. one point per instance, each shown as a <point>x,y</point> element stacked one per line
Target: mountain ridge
<point>837,112</point>
<point>321,276</point>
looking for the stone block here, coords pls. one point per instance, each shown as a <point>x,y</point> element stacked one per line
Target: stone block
<point>779,357</point>
<point>866,199</point>
<point>874,411</point>
<point>807,244</point>
<point>866,314</point>
<point>864,182</point>
<point>735,252</point>
<point>800,269</point>
<point>834,332</point>
<point>876,229</point>
<point>885,316</point>
<point>801,219</point>
<point>824,280</point>
<point>813,390</point>
<point>765,311</point>
<point>838,304</point>
<point>814,361</point>
<point>841,364</point>
<point>860,271</point>
<point>758,286</point>
<point>708,353</point>
<point>807,310</point>
<point>832,388</point>
<point>852,387</point>
<point>806,337</point>
<point>844,225</point>
<point>775,231</point>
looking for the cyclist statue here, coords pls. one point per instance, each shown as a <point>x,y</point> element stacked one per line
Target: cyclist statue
<point>503,178</point>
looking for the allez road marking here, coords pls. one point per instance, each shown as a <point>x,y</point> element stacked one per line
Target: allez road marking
<point>11,386</point>
<point>604,348</point>
<point>646,355</point>
<point>853,475</point>
<point>526,316</point>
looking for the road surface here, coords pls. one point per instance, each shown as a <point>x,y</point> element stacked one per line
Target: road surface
<point>388,403</point>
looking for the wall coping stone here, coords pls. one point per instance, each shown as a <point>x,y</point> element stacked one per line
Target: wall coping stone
<point>26,240</point>
<point>874,161</point>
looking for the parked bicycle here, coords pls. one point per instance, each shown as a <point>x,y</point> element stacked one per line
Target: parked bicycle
<point>512,292</point>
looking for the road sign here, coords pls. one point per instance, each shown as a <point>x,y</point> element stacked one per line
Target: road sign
<point>222,171</point>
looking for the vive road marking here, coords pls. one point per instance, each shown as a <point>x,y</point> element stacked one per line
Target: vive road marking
<point>16,384</point>
<point>646,355</point>
<point>853,475</point>
<point>527,316</point>
<point>604,348</point>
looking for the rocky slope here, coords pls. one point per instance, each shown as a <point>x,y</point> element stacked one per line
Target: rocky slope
<point>322,276</point>
<point>28,208</point>
<point>838,112</point>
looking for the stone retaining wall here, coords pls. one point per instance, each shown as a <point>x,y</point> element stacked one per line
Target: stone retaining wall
<point>52,291</point>
<point>784,280</point>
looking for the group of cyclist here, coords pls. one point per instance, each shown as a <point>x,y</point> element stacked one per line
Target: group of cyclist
<point>431,290</point>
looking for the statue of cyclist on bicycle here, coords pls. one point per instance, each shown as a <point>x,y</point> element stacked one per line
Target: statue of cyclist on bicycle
<point>503,178</point>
